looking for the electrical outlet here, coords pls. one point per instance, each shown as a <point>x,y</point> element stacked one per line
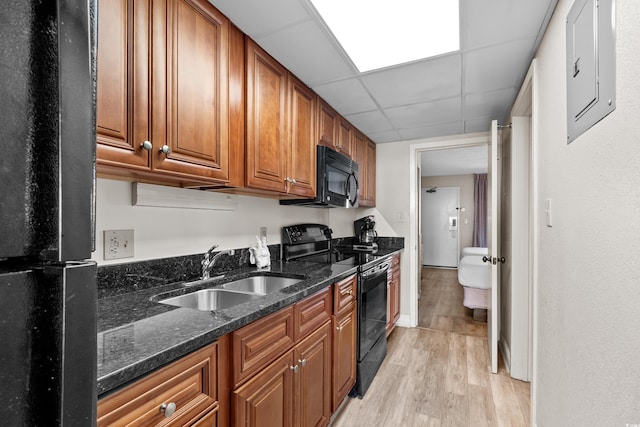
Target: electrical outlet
<point>118,244</point>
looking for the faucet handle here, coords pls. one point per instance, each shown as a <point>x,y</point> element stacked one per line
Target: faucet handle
<point>211,249</point>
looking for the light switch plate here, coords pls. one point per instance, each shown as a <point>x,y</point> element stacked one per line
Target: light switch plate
<point>118,244</point>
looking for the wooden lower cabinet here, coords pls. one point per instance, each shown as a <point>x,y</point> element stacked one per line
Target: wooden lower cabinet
<point>393,294</point>
<point>292,391</point>
<point>189,383</point>
<point>344,354</point>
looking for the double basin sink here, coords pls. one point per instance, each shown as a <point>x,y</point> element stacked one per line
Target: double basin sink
<point>231,294</point>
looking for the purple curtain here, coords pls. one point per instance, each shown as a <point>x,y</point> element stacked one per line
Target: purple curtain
<point>480,210</point>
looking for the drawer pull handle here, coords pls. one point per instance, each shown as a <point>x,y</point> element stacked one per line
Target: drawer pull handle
<point>349,292</point>
<point>168,409</point>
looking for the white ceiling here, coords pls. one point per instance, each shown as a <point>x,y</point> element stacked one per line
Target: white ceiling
<point>455,161</point>
<point>455,93</point>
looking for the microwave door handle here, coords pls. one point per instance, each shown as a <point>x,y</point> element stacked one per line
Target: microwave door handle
<point>355,198</point>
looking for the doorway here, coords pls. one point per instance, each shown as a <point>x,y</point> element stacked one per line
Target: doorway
<point>446,187</point>
<point>440,222</point>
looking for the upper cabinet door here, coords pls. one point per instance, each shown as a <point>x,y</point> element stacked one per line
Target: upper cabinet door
<point>326,125</point>
<point>344,136</point>
<point>266,138</point>
<point>370,194</point>
<point>122,111</point>
<point>190,89</point>
<point>302,139</point>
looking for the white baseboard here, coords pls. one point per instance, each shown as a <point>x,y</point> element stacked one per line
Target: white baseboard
<point>404,321</point>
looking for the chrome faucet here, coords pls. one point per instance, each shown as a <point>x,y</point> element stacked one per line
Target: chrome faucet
<point>209,261</point>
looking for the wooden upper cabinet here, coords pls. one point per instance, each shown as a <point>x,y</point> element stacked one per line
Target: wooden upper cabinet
<point>281,127</point>
<point>344,136</point>
<point>266,139</point>
<point>164,70</point>
<point>326,124</point>
<point>370,194</point>
<point>334,131</point>
<point>190,73</point>
<point>302,138</point>
<point>365,156</point>
<point>360,156</point>
<point>122,110</point>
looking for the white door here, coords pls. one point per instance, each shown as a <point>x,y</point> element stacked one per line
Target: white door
<point>493,243</point>
<point>440,226</point>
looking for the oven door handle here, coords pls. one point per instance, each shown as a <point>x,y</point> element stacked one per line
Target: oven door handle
<point>379,270</point>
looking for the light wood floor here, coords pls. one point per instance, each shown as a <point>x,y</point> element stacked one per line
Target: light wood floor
<point>439,373</point>
<point>440,305</point>
<point>438,378</point>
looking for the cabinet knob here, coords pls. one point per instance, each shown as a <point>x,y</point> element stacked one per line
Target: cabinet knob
<point>294,369</point>
<point>339,328</point>
<point>293,181</point>
<point>303,362</point>
<point>165,149</point>
<point>168,409</point>
<point>146,145</point>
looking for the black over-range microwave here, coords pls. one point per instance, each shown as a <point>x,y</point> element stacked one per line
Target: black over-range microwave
<point>337,181</point>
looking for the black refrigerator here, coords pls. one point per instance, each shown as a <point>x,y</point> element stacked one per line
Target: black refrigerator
<point>47,179</point>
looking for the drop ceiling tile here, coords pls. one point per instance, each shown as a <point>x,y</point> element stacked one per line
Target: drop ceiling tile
<point>441,129</point>
<point>435,78</point>
<point>427,113</point>
<point>497,66</point>
<point>306,51</point>
<point>261,17</point>
<point>386,136</point>
<point>489,22</point>
<point>479,125</point>
<point>369,122</point>
<point>496,103</point>
<point>346,96</point>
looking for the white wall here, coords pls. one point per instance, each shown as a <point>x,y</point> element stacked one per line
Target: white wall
<point>395,202</point>
<point>166,232</point>
<point>588,272</point>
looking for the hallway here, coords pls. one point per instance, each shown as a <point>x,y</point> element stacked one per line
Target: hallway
<point>437,378</point>
<point>438,374</point>
<point>440,305</point>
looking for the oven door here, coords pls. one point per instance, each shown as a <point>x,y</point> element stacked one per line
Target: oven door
<point>372,299</point>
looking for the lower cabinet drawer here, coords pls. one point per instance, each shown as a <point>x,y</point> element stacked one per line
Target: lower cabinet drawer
<point>179,394</point>
<point>259,343</point>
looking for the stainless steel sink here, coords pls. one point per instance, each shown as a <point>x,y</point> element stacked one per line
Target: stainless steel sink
<point>210,299</point>
<point>261,285</point>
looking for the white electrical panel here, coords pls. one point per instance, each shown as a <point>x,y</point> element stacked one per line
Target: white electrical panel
<point>591,65</point>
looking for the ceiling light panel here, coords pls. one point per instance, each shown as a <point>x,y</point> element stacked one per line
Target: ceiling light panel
<point>377,34</point>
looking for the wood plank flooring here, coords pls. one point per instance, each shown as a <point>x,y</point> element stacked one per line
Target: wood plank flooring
<point>438,378</point>
<point>440,305</point>
<point>439,373</point>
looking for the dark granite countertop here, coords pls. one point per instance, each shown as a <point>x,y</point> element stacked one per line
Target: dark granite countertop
<point>136,334</point>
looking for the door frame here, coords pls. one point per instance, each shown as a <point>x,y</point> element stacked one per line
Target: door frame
<point>527,105</point>
<point>458,219</point>
<point>436,143</point>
